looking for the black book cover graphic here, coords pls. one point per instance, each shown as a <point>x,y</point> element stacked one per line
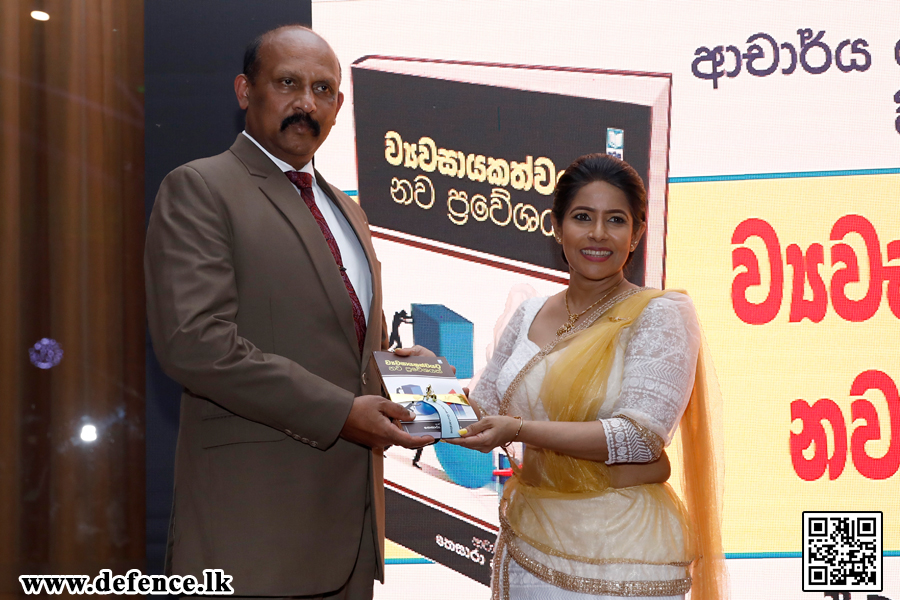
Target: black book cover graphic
<point>475,165</point>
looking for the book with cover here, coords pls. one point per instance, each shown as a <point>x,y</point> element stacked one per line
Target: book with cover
<point>428,387</point>
<point>462,158</point>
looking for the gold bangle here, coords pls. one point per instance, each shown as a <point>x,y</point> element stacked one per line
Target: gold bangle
<point>518,431</point>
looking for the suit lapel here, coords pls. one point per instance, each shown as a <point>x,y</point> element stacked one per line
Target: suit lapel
<point>361,229</point>
<point>282,193</point>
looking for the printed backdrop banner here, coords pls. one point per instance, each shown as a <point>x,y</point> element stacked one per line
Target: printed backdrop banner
<point>800,308</point>
<point>770,139</point>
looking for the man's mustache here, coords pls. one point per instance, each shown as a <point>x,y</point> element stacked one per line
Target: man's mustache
<point>302,117</point>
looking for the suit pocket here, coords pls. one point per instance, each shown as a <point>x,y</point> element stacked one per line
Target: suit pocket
<point>231,429</point>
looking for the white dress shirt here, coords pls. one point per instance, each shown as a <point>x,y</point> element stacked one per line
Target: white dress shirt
<point>351,250</point>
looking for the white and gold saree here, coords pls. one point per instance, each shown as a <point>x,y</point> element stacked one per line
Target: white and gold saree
<point>564,531</point>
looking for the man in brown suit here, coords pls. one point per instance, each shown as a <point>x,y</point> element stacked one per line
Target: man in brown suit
<point>264,301</point>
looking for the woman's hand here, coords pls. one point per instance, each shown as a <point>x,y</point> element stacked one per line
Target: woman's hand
<point>478,412</point>
<point>488,433</point>
<point>628,474</point>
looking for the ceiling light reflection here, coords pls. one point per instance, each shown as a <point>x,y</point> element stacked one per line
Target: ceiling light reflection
<point>88,433</point>
<point>39,15</point>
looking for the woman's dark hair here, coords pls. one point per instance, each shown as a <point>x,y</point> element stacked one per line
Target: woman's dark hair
<point>601,167</point>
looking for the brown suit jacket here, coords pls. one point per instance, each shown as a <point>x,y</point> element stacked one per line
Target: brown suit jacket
<point>247,310</point>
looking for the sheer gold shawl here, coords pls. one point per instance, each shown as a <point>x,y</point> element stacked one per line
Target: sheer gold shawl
<point>574,390</point>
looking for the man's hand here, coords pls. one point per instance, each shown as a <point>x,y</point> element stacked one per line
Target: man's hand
<point>370,423</point>
<point>418,351</point>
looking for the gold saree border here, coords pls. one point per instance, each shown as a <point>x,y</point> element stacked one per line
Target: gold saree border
<point>506,551</point>
<point>549,550</point>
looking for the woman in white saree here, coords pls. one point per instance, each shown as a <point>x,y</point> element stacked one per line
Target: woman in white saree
<point>594,382</point>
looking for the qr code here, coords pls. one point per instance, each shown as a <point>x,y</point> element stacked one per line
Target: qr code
<point>842,551</point>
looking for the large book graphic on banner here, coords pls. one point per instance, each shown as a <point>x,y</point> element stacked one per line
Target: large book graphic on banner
<point>464,157</point>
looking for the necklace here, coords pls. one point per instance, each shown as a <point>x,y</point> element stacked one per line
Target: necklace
<point>570,322</point>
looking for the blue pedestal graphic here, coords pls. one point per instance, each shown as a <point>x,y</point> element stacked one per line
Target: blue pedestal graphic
<point>445,333</point>
<point>465,467</point>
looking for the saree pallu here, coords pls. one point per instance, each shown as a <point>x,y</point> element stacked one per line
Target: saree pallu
<point>560,519</point>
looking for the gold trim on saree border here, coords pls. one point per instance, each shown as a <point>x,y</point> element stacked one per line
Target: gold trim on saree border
<point>500,581</point>
<point>507,551</point>
<point>543,352</point>
<point>505,526</point>
<point>585,585</point>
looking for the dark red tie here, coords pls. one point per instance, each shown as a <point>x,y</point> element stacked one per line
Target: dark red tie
<point>303,181</point>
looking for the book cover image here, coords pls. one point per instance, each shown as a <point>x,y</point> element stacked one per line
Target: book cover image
<point>468,154</point>
<point>428,387</point>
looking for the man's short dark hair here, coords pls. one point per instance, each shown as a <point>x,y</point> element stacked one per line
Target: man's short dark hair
<point>251,58</point>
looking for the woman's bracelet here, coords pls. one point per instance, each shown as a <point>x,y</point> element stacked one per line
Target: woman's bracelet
<point>518,431</point>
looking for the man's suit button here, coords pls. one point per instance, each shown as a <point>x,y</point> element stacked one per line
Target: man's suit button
<point>304,440</point>
<point>288,431</point>
<point>314,444</point>
<point>365,378</point>
<point>296,436</point>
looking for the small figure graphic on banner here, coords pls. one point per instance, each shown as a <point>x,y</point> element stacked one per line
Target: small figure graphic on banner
<point>399,318</point>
